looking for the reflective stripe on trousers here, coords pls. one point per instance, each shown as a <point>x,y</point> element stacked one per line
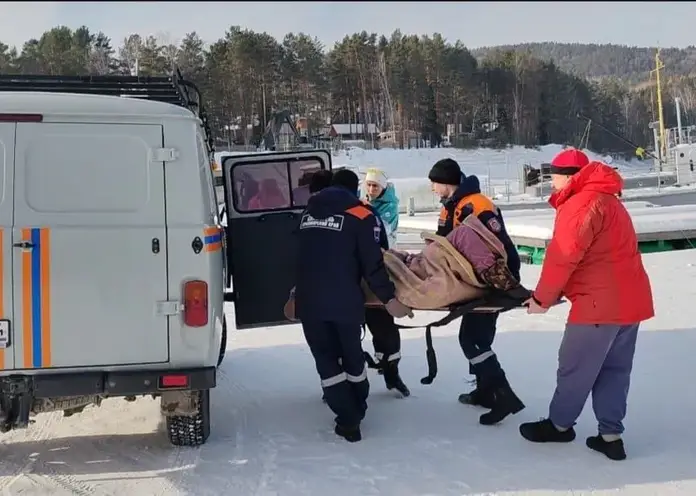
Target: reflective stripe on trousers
<point>343,376</point>
<point>390,358</point>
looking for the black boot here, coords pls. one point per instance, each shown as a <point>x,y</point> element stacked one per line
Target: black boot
<point>350,433</point>
<point>505,402</point>
<point>392,379</point>
<point>614,450</point>
<point>544,431</point>
<point>479,396</point>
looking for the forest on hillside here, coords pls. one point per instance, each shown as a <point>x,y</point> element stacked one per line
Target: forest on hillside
<point>594,61</point>
<point>426,84</point>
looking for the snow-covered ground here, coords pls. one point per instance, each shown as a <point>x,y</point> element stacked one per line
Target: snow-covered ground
<point>272,434</point>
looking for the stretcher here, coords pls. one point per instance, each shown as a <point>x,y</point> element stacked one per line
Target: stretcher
<point>494,302</point>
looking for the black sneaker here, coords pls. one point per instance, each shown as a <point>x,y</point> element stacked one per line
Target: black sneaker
<point>614,450</point>
<point>351,434</point>
<point>544,431</point>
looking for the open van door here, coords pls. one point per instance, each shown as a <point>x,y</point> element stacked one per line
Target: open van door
<point>265,194</point>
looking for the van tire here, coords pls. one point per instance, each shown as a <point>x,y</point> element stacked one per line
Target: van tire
<point>223,343</point>
<point>191,431</point>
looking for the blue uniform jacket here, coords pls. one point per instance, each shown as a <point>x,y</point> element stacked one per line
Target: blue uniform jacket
<point>339,245</point>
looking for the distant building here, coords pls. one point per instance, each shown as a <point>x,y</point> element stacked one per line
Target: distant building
<point>351,131</point>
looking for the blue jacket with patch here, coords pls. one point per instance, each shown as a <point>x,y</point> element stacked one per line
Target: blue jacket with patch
<point>339,245</point>
<point>387,206</point>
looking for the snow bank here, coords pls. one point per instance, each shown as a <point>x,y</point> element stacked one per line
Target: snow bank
<point>499,171</point>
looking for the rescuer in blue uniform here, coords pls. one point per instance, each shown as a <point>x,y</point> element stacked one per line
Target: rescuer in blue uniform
<point>338,247</point>
<point>461,196</point>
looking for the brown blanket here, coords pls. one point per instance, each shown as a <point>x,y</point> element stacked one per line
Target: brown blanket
<point>443,276</point>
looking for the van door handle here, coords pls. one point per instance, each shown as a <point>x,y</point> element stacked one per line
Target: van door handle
<point>24,245</point>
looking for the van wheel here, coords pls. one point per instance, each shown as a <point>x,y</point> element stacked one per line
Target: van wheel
<point>191,431</point>
<point>223,343</point>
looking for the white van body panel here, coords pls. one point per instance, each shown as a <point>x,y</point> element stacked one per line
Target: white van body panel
<point>7,138</point>
<point>95,186</point>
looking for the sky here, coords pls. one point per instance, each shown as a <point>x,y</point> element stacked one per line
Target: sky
<point>474,23</point>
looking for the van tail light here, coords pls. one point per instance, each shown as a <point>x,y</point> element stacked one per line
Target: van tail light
<point>173,381</point>
<point>196,303</point>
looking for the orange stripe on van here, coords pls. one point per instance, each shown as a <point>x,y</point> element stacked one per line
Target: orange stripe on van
<point>212,238</point>
<point>27,328</point>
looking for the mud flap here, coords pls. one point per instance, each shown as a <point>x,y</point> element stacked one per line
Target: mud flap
<point>180,403</point>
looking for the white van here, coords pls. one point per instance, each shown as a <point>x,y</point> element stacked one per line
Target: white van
<point>113,261</point>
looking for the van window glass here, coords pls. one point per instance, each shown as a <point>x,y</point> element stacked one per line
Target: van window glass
<point>261,186</point>
<point>301,173</point>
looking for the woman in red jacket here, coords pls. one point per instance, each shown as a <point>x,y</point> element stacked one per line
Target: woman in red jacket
<point>592,260</point>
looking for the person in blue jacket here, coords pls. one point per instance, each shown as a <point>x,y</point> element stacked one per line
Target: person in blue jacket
<point>338,239</point>
<point>461,196</point>
<point>380,193</point>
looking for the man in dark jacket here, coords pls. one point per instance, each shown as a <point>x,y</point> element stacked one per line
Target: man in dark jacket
<point>461,196</point>
<point>338,247</point>
<point>386,337</point>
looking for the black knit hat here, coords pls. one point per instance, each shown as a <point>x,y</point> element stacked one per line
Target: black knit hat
<point>346,178</point>
<point>320,179</point>
<point>446,171</point>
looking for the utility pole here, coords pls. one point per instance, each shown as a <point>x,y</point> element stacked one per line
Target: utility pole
<point>660,115</point>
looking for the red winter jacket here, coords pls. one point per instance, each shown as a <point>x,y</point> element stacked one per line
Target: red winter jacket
<point>593,257</point>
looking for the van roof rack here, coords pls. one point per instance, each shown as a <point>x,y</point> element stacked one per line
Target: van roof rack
<point>172,89</point>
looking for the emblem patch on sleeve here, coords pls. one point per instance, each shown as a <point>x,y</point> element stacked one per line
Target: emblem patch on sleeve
<point>494,225</point>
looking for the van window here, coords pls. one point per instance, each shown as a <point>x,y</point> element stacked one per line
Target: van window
<point>301,173</point>
<point>273,184</point>
<point>261,186</point>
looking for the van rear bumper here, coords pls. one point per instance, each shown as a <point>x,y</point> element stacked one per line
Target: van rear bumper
<point>126,383</point>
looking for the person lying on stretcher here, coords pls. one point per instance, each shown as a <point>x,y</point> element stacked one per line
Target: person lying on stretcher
<point>490,269</point>
<point>463,266</point>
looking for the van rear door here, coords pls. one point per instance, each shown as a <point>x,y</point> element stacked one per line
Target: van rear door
<point>7,324</point>
<point>265,195</point>
<point>90,212</point>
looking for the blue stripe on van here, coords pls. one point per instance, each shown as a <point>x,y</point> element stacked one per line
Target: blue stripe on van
<point>36,298</point>
<point>215,238</point>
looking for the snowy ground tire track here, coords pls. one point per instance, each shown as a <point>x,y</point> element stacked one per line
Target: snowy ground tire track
<point>38,431</point>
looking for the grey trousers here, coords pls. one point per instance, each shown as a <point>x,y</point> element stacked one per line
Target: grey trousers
<point>597,359</point>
